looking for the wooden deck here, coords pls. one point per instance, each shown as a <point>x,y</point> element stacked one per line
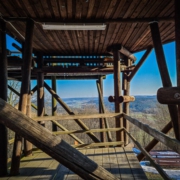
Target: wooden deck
<point>119,161</point>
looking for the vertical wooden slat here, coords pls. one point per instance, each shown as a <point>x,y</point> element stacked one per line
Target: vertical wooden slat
<point>54,102</point>
<point>40,90</point>
<point>109,137</point>
<point>101,120</point>
<point>164,73</point>
<point>126,83</point>
<point>3,95</point>
<point>177,38</point>
<point>26,73</point>
<point>117,92</point>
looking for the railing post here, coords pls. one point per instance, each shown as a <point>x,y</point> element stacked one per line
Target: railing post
<point>54,102</point>
<point>101,120</point>
<point>117,92</point>
<point>40,89</point>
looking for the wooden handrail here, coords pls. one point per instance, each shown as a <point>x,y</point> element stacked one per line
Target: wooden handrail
<point>79,116</point>
<point>158,168</point>
<point>90,130</point>
<point>168,141</point>
<point>98,144</point>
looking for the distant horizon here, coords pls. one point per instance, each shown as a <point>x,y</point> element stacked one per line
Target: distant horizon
<point>98,97</point>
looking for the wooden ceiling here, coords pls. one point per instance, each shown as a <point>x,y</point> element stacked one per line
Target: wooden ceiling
<point>134,36</point>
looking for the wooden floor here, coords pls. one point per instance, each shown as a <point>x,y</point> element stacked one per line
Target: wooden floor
<point>119,161</point>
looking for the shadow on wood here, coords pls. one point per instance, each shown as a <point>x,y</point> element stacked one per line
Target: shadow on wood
<point>50,144</point>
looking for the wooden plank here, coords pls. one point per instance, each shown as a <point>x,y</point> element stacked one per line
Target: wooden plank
<point>98,144</point>
<point>113,162</point>
<point>125,171</point>
<point>83,131</point>
<point>31,166</point>
<point>39,169</point>
<point>50,144</point>
<point>136,169</point>
<point>50,173</point>
<point>106,161</point>
<point>79,116</point>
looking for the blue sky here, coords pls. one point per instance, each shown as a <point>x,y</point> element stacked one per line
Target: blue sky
<point>146,82</point>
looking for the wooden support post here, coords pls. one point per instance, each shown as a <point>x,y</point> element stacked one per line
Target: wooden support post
<point>52,145</point>
<point>26,73</point>
<point>101,120</point>
<point>117,92</point>
<point>177,38</point>
<point>122,99</point>
<point>169,95</point>
<point>68,110</point>
<point>40,89</point>
<point>103,111</point>
<point>27,144</point>
<point>126,99</point>
<point>54,102</point>
<point>144,57</point>
<point>3,95</point>
<point>164,74</point>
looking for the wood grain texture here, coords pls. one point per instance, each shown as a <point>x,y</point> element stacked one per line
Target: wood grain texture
<point>97,11</point>
<point>44,139</point>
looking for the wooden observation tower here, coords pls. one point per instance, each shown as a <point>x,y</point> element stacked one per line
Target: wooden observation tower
<point>84,39</point>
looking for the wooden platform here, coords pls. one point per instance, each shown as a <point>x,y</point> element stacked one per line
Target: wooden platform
<point>119,161</point>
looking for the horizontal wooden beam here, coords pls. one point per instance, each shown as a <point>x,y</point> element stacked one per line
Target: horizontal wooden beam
<point>91,130</point>
<point>74,70</point>
<point>122,50</point>
<point>168,141</point>
<point>98,144</point>
<point>65,130</point>
<point>169,95</point>
<point>122,99</point>
<point>79,116</point>
<point>108,21</point>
